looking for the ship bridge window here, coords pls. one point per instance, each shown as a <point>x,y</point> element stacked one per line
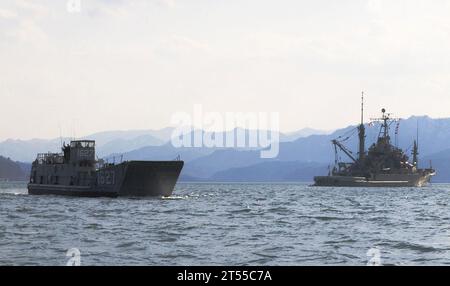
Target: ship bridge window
<point>82,144</point>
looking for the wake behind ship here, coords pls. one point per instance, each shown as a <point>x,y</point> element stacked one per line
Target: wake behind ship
<point>383,165</point>
<point>75,172</point>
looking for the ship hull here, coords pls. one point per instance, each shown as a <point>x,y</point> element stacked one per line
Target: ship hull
<point>146,178</point>
<point>385,181</point>
<point>128,179</point>
<point>74,191</point>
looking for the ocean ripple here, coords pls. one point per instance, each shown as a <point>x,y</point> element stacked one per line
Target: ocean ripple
<point>229,224</point>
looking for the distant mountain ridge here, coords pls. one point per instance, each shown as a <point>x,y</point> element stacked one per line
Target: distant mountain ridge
<point>302,133</point>
<point>234,165</point>
<point>111,142</point>
<point>11,170</point>
<point>107,143</point>
<point>274,171</point>
<point>441,162</point>
<point>299,158</point>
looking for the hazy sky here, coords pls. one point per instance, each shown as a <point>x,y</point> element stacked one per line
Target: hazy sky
<point>131,64</point>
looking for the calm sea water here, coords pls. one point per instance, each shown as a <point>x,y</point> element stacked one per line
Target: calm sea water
<point>230,224</point>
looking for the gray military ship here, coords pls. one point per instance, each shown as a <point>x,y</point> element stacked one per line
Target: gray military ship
<point>383,165</point>
<point>76,172</point>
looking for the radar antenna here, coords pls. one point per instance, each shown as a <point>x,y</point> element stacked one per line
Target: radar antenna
<point>386,121</point>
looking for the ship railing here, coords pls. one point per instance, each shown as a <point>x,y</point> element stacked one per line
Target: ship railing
<point>101,163</point>
<point>50,158</point>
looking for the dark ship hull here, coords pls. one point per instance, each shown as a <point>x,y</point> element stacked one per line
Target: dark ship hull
<point>131,179</point>
<point>75,191</point>
<point>385,181</point>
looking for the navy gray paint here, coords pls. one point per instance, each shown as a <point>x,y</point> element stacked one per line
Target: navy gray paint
<point>76,172</point>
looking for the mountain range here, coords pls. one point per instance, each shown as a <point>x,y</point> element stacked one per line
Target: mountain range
<point>306,157</point>
<point>107,143</point>
<point>11,170</point>
<point>302,154</point>
<point>113,142</point>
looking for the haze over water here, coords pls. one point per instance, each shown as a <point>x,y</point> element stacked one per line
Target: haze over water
<point>229,224</point>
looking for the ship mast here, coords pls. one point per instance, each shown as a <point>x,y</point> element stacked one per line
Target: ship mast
<point>385,124</point>
<point>362,133</point>
<point>362,136</point>
<point>415,152</point>
<point>384,131</point>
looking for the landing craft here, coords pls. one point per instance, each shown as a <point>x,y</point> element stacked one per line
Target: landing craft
<point>76,172</point>
<point>383,165</point>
